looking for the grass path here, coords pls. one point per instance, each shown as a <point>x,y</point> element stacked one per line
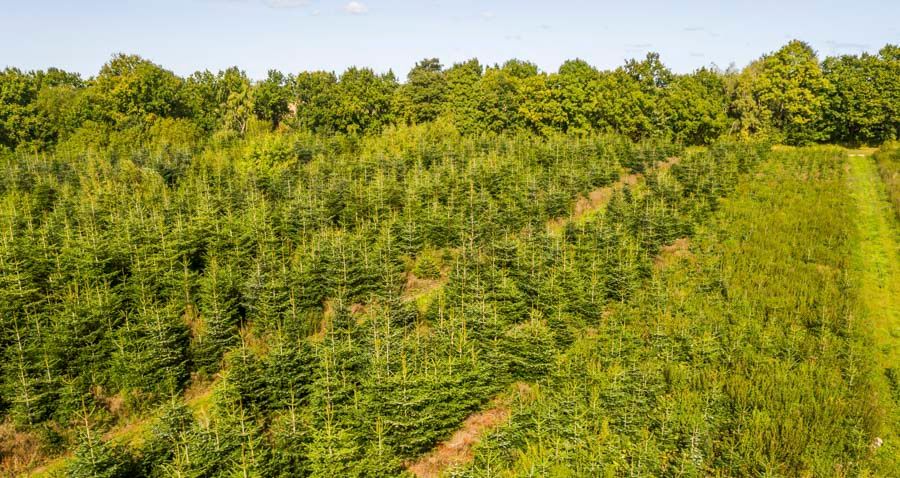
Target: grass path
<point>130,433</point>
<point>877,265</point>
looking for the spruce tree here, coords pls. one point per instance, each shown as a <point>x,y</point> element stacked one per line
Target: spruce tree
<point>96,458</point>
<point>151,351</point>
<point>219,298</point>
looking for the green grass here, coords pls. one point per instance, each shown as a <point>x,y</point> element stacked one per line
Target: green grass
<point>132,435</point>
<point>888,160</point>
<point>877,268</point>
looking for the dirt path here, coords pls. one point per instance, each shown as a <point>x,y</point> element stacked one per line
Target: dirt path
<point>458,449</point>
<point>598,198</point>
<point>877,268</point>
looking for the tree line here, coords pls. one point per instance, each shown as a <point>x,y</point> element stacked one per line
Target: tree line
<point>789,95</point>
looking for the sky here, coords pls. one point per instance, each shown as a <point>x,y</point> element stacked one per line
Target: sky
<point>298,35</point>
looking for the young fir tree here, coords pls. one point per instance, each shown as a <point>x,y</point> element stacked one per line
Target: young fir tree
<point>219,298</point>
<point>167,450</point>
<point>28,382</point>
<point>151,355</point>
<point>96,458</point>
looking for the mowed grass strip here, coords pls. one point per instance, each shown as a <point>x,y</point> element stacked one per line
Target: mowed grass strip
<point>877,271</point>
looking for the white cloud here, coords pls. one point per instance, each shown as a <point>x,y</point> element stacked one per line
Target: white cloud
<point>268,3</point>
<point>356,8</point>
<point>286,3</point>
<point>700,30</point>
<point>836,45</point>
<point>487,15</point>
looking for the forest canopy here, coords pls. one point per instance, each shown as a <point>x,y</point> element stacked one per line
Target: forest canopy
<point>789,95</point>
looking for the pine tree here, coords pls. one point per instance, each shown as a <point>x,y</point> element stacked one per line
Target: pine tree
<point>289,373</point>
<point>168,447</point>
<point>28,380</point>
<point>151,351</point>
<point>81,333</point>
<point>219,298</point>
<point>95,458</point>
<point>246,378</point>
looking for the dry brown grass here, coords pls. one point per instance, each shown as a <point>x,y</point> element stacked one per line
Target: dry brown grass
<point>19,450</point>
<point>199,387</point>
<point>671,253</point>
<point>194,321</point>
<point>325,323</point>
<point>458,449</point>
<point>253,341</point>
<point>358,309</point>
<point>416,286</point>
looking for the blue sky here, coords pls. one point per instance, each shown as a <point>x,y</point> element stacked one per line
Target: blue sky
<point>297,35</point>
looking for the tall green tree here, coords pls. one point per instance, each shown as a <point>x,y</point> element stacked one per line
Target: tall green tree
<point>130,90</point>
<point>313,98</point>
<point>697,106</point>
<point>785,91</point>
<point>862,105</point>
<point>421,98</point>
<point>271,98</point>
<point>363,101</point>
<point>461,105</point>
